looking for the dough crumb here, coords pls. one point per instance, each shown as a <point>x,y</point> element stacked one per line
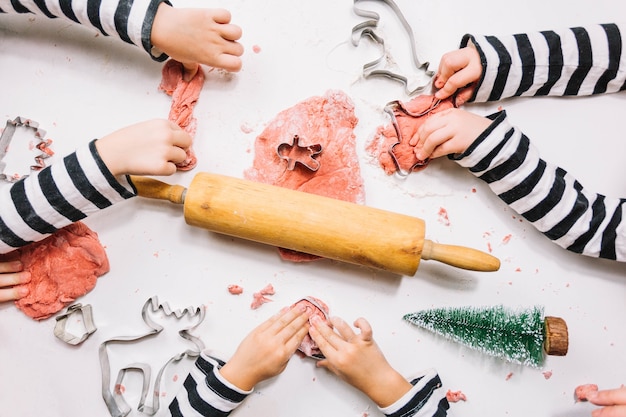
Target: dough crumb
<point>582,391</point>
<point>235,289</point>
<point>455,396</point>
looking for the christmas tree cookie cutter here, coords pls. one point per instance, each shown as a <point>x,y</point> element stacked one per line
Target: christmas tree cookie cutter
<point>378,67</point>
<point>296,154</point>
<point>37,149</point>
<point>114,398</point>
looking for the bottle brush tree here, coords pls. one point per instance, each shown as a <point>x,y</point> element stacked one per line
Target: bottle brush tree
<point>520,336</point>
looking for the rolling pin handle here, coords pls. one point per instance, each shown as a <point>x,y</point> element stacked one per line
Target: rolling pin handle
<point>460,257</point>
<point>151,188</point>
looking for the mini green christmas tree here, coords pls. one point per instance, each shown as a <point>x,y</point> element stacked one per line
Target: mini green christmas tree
<point>519,336</point>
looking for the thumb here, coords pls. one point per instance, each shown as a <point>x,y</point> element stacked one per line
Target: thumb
<point>190,69</point>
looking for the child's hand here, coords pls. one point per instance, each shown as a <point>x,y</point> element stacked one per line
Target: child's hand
<point>449,131</point>
<point>148,148</point>
<point>197,36</point>
<point>356,359</point>
<point>264,353</point>
<point>458,70</point>
<point>11,274</point>
<point>612,400</point>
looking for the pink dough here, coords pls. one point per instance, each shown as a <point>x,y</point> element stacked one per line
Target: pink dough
<point>235,289</point>
<point>185,95</point>
<point>259,298</point>
<point>308,346</point>
<point>455,396</point>
<point>63,267</point>
<point>328,120</point>
<point>582,391</point>
<point>408,125</point>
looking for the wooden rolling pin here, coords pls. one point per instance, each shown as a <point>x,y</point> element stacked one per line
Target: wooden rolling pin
<point>310,223</point>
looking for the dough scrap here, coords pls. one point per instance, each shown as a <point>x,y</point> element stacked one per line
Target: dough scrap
<point>582,391</point>
<point>408,125</point>
<point>184,95</point>
<point>328,120</point>
<point>63,267</point>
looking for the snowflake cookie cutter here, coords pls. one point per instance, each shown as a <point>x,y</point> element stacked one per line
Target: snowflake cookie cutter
<point>38,149</point>
<point>114,399</point>
<point>89,327</point>
<point>296,154</point>
<point>376,68</point>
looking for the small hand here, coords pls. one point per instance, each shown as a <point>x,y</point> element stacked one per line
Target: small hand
<point>613,402</point>
<point>198,36</point>
<point>447,132</point>
<point>356,359</point>
<point>458,70</point>
<point>265,352</point>
<point>11,276</point>
<point>148,148</point>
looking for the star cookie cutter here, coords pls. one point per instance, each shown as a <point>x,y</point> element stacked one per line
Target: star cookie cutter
<point>296,154</point>
<point>38,148</point>
<point>376,68</point>
<point>114,399</point>
<point>390,109</point>
<point>60,329</point>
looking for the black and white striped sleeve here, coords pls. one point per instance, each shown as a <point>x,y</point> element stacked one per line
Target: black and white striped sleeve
<point>426,399</point>
<point>578,61</point>
<point>572,216</point>
<point>58,195</point>
<point>129,20</point>
<point>205,392</point>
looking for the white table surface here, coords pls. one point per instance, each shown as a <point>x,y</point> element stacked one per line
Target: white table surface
<point>79,86</point>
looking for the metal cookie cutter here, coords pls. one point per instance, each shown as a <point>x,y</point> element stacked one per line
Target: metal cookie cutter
<point>60,328</point>
<point>114,399</point>
<point>294,154</point>
<point>390,109</point>
<point>316,356</point>
<point>39,151</point>
<point>368,28</point>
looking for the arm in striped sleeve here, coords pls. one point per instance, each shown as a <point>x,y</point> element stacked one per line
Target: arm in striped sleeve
<point>129,20</point>
<point>579,61</point>
<point>426,399</point>
<point>546,195</point>
<point>60,194</point>
<point>205,392</point>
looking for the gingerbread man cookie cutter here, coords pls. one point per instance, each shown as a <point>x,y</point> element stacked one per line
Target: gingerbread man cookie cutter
<point>376,68</point>
<point>114,399</point>
<point>296,154</point>
<point>38,148</point>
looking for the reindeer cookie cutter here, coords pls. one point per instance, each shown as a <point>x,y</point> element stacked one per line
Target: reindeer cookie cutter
<point>368,28</point>
<point>38,149</point>
<point>114,399</point>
